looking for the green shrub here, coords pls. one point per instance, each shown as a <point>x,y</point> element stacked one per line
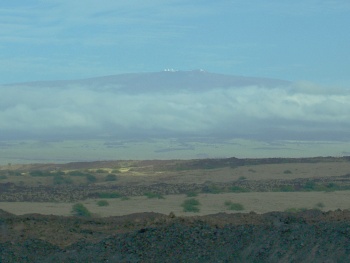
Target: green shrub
<point>39,173</point>
<point>116,171</point>
<point>109,195</point>
<point>111,177</point>
<point>287,171</point>
<point>80,210</point>
<point>102,203</point>
<point>238,189</point>
<point>190,205</point>
<point>191,194</point>
<point>2,177</point>
<point>309,186</point>
<point>154,195</point>
<point>234,206</point>
<point>90,178</point>
<point>59,180</point>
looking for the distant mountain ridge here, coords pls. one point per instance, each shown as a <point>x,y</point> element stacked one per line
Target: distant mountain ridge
<point>195,80</point>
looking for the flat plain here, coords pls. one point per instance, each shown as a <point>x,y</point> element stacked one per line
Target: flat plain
<point>162,186</point>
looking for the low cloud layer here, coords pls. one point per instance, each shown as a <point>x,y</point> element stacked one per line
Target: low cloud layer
<point>299,112</point>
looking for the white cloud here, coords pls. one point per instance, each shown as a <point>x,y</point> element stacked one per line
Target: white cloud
<point>79,111</point>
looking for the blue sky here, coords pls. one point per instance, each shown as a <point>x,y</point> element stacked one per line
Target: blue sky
<point>292,40</point>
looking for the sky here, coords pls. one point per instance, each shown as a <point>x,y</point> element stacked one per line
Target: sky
<point>298,40</point>
<point>303,42</point>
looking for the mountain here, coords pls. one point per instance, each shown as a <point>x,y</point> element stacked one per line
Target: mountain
<point>195,80</point>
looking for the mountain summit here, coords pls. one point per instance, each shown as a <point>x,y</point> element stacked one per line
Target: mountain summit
<point>167,80</point>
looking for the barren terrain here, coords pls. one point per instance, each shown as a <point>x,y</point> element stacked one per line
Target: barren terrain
<point>124,199</point>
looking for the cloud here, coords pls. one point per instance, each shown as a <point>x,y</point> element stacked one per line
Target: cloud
<point>302,111</point>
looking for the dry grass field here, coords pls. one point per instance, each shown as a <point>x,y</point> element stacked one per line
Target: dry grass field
<point>149,173</point>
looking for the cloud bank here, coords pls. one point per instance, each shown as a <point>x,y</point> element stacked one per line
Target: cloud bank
<point>301,111</point>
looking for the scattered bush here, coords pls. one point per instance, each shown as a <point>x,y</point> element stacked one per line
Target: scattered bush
<point>287,171</point>
<point>80,210</point>
<point>251,170</point>
<point>234,206</point>
<point>2,177</point>
<point>190,205</point>
<point>116,171</point>
<point>109,195</point>
<point>309,186</point>
<point>154,195</point>
<point>111,177</point>
<point>102,203</point>
<point>100,171</point>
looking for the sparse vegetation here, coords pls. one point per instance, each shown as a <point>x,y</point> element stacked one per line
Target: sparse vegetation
<point>90,178</point>
<point>102,203</point>
<point>80,210</point>
<point>191,194</point>
<point>212,189</point>
<point>238,189</point>
<point>191,205</point>
<point>2,177</point>
<point>109,195</point>
<point>154,195</point>
<point>295,210</point>
<point>234,206</point>
<point>287,171</point>
<point>111,177</point>
<point>320,205</point>
<point>59,180</point>
<point>242,178</point>
<point>77,173</point>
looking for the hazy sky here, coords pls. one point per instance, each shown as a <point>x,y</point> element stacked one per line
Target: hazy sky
<point>65,39</point>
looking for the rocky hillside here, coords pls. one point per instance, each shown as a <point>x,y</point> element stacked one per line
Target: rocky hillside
<point>309,236</point>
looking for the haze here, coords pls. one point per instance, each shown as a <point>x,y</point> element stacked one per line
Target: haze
<point>294,57</point>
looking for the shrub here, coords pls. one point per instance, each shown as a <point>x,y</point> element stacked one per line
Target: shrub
<point>109,195</point>
<point>287,172</point>
<point>2,177</point>
<point>124,198</point>
<point>90,178</point>
<point>38,173</point>
<point>154,195</point>
<point>111,177</point>
<point>242,178</point>
<point>80,210</point>
<point>285,188</point>
<point>116,171</point>
<point>59,179</point>
<point>309,186</point>
<point>190,205</point>
<point>234,206</point>
<point>102,203</point>
<point>238,189</point>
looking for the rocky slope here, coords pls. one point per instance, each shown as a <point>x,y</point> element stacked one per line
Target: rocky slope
<point>310,236</point>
